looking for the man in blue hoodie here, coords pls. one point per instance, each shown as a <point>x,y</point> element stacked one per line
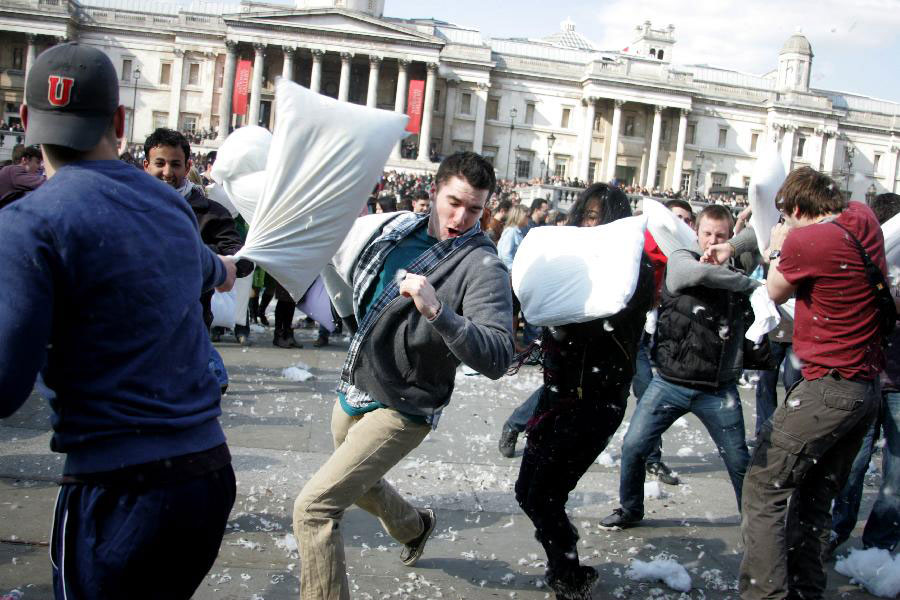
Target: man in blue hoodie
<point>103,267</point>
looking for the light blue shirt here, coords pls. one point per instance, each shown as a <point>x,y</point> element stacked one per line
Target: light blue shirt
<point>509,244</point>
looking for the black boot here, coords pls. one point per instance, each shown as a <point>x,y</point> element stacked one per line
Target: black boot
<point>253,307</point>
<point>284,333</point>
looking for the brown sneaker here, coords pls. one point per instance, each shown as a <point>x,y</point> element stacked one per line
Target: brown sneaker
<point>412,551</point>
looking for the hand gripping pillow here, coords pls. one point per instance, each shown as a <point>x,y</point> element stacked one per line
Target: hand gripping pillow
<point>670,232</point>
<point>565,275</point>
<point>323,161</point>
<point>766,180</point>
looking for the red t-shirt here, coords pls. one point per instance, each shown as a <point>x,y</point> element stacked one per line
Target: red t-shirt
<point>836,319</point>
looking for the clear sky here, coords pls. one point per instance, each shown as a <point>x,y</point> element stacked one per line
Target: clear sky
<point>856,43</point>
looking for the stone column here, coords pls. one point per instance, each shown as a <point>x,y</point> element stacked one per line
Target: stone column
<point>175,89</point>
<point>400,97</point>
<point>679,149</point>
<point>830,150</point>
<point>612,155</point>
<point>344,88</point>
<point>654,147</point>
<point>449,115</point>
<point>372,91</point>
<point>256,85</point>
<point>287,69</point>
<point>587,135</point>
<point>787,147</point>
<point>227,89</point>
<point>427,109</point>
<point>892,168</point>
<point>31,53</point>
<point>481,98</point>
<point>315,77</point>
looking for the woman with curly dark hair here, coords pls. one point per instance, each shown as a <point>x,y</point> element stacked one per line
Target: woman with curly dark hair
<point>587,373</point>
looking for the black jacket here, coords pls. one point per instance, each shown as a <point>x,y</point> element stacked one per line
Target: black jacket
<point>695,334</point>
<point>217,228</point>
<point>583,359</point>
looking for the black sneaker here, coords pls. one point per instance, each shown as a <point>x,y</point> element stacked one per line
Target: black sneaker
<point>322,340</point>
<point>412,551</point>
<point>620,519</point>
<point>574,585</point>
<point>662,473</point>
<point>507,444</point>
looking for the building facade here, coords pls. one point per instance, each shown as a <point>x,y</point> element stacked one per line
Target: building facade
<point>552,106</point>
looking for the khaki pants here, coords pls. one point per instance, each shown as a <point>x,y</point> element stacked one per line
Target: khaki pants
<point>365,449</point>
<point>802,461</point>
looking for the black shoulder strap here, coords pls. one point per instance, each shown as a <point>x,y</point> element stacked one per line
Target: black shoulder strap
<point>877,280</point>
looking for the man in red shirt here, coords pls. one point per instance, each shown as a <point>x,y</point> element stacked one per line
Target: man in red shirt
<point>806,449</point>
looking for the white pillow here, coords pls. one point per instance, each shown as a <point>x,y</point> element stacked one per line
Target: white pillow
<point>567,275</point>
<point>669,232</point>
<point>240,167</point>
<point>324,159</point>
<point>766,180</point>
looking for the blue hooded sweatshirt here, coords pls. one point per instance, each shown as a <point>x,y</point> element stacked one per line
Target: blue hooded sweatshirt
<point>102,268</point>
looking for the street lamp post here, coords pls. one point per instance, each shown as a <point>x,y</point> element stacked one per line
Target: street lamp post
<point>512,125</point>
<point>851,152</point>
<point>700,157</point>
<point>550,139</point>
<point>137,76</point>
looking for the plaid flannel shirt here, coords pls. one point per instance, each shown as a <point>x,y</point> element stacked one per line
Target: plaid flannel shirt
<point>365,274</point>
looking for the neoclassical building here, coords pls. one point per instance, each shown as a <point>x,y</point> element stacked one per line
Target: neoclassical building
<point>559,105</point>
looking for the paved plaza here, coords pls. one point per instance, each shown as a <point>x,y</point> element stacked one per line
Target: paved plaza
<point>483,546</point>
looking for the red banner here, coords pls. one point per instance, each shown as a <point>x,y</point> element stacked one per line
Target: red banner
<point>414,102</point>
<point>241,88</point>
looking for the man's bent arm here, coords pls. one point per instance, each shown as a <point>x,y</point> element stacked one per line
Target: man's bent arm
<point>684,271</point>
<point>482,339</point>
<point>213,270</point>
<point>780,290</point>
<point>27,253</point>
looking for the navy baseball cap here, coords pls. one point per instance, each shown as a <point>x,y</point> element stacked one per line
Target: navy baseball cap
<point>72,93</point>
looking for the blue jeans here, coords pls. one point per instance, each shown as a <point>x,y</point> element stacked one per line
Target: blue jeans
<point>663,403</point>
<point>523,413</point>
<point>883,526</point>
<point>643,374</point>
<point>767,387</point>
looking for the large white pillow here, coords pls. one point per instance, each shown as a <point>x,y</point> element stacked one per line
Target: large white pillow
<point>565,275</point>
<point>324,159</point>
<point>669,232</point>
<point>768,175</point>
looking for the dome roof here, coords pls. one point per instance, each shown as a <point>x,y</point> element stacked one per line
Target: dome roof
<point>798,44</point>
<point>567,37</point>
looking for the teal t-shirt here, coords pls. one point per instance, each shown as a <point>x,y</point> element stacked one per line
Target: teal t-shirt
<point>403,254</point>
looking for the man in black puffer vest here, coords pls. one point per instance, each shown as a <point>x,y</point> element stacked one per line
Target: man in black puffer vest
<point>698,354</point>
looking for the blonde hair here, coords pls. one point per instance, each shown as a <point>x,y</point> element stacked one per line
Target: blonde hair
<point>514,215</point>
<point>194,177</point>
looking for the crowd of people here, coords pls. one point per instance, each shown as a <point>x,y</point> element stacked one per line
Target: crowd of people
<point>90,241</point>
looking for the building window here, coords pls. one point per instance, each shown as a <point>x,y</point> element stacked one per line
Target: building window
<point>593,167</point>
<point>876,161</point>
<point>719,179</point>
<point>165,73</point>
<point>189,122</point>
<point>465,104</point>
<point>598,122</point>
<point>691,136</point>
<point>754,141</point>
<point>660,53</point>
<point>18,58</point>
<point>126,69</point>
<point>664,130</point>
<point>746,181</point>
<point>490,154</point>
<point>194,74</point>
<point>723,137</point>
<point>685,181</point>
<point>529,113</point>
<point>564,120</point>
<point>160,119</point>
<point>560,165</point>
<point>437,101</point>
<point>219,76</point>
<point>493,109</point>
<point>801,145</point>
<point>523,164</point>
<point>629,125</point>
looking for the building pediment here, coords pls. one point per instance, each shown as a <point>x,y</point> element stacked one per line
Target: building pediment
<point>329,21</point>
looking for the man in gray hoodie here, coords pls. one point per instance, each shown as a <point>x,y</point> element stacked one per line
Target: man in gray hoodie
<point>429,293</point>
